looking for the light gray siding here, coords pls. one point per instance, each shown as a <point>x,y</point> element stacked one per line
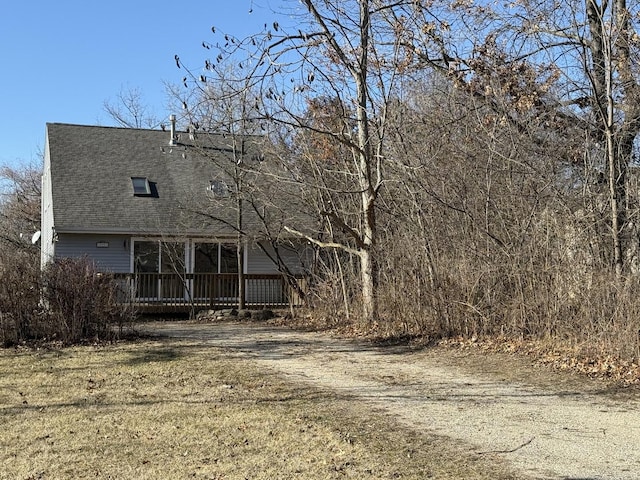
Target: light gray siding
<point>111,253</point>
<point>114,253</point>
<point>259,262</point>
<point>46,212</point>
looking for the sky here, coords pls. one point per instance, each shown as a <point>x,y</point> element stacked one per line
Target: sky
<point>62,60</point>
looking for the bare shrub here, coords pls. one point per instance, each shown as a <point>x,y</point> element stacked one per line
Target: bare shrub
<point>82,303</point>
<point>19,297</point>
<point>333,289</point>
<point>533,293</point>
<point>594,314</point>
<point>605,317</point>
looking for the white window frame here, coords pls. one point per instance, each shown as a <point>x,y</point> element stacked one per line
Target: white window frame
<point>218,241</point>
<point>159,240</point>
<point>141,190</point>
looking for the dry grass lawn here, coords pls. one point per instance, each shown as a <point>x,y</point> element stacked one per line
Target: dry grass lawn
<point>170,409</point>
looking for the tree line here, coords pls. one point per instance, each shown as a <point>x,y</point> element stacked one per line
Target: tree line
<point>470,168</point>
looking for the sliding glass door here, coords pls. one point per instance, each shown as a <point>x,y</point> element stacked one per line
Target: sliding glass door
<point>172,266</point>
<point>161,266</point>
<point>164,270</point>
<point>215,258</point>
<point>146,263</point>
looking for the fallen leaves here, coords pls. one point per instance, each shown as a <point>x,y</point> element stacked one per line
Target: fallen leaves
<point>583,359</point>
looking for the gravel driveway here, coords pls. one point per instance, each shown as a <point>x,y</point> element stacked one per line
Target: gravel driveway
<point>563,430</point>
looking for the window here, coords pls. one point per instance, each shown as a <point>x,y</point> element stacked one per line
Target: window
<point>152,258</point>
<point>206,258</point>
<point>141,186</point>
<point>215,258</point>
<point>146,257</point>
<point>158,257</point>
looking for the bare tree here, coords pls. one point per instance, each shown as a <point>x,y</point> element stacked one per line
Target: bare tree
<point>19,255</point>
<point>615,94</point>
<point>593,47</point>
<point>223,108</point>
<point>20,206</point>
<point>348,51</point>
<point>129,110</point>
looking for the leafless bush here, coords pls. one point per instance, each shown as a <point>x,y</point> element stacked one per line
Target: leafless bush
<point>333,289</point>
<point>82,303</point>
<point>534,291</point>
<point>593,313</point>
<point>19,297</point>
<point>606,316</point>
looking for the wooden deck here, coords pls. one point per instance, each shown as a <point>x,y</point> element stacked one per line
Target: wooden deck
<point>177,293</point>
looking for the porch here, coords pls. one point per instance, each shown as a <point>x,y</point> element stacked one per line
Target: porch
<point>182,292</point>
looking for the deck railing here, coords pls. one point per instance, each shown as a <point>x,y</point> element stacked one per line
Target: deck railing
<point>173,291</point>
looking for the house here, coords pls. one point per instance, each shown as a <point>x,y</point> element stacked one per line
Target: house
<point>157,209</point>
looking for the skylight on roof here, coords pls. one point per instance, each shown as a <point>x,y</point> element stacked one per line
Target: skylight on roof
<point>140,186</point>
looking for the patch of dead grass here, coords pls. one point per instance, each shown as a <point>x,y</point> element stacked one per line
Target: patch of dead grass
<point>170,409</point>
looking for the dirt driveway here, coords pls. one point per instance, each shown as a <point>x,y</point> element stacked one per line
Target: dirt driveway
<point>547,425</point>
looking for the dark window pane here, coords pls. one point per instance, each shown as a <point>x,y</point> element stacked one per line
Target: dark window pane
<point>206,258</point>
<point>146,260</point>
<point>145,257</point>
<point>173,257</point>
<point>228,259</point>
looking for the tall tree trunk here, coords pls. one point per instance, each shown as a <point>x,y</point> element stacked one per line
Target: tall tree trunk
<point>240,253</point>
<point>238,160</point>
<point>628,130</point>
<point>369,297</point>
<point>616,192</point>
<point>364,157</point>
<point>605,37</point>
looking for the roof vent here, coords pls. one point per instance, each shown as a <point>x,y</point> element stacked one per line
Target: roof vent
<point>219,188</point>
<point>174,140</point>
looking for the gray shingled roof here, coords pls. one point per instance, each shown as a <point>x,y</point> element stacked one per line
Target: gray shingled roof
<point>91,170</point>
